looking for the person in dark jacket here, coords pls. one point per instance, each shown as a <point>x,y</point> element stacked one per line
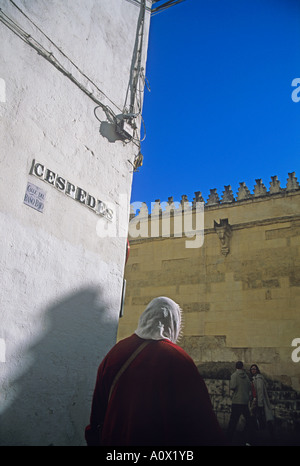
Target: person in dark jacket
<point>241,387</point>
<point>159,398</point>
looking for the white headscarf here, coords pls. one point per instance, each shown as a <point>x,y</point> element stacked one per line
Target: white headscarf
<point>161,319</point>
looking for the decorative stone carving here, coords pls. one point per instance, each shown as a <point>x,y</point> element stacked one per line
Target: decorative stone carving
<point>275,185</point>
<point>243,192</point>
<point>184,200</point>
<point>227,195</point>
<point>198,198</point>
<point>292,183</point>
<point>223,230</point>
<point>171,206</point>
<point>156,208</point>
<point>259,189</point>
<point>143,210</point>
<point>213,198</point>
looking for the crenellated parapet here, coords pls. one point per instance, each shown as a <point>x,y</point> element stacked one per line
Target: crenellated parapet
<point>226,198</point>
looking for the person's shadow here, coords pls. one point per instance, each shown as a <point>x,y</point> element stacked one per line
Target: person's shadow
<point>53,392</point>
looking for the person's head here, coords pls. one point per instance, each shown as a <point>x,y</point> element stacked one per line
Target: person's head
<point>161,319</point>
<point>254,370</point>
<point>239,365</point>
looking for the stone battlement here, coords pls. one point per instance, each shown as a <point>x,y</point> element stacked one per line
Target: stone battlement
<point>260,191</point>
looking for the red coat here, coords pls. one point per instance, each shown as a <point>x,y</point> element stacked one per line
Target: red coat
<point>160,399</point>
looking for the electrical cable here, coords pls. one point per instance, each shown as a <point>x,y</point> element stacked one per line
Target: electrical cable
<point>137,2</point>
<point>61,51</point>
<point>137,76</point>
<point>164,6</point>
<point>28,39</point>
<point>136,64</point>
<point>136,79</point>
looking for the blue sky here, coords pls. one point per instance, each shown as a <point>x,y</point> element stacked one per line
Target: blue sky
<point>220,109</point>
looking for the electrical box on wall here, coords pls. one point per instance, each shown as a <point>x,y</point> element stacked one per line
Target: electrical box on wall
<point>125,127</point>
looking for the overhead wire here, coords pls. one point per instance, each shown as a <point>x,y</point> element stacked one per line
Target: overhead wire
<point>136,68</point>
<point>62,52</point>
<point>136,80</point>
<point>137,75</point>
<point>40,49</point>
<point>138,2</point>
<point>164,6</point>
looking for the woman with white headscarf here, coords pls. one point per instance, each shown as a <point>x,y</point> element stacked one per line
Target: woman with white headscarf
<point>149,391</point>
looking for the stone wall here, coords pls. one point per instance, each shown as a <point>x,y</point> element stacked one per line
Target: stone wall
<point>239,291</point>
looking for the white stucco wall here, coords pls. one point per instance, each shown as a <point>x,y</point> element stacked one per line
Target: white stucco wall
<point>61,282</point>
